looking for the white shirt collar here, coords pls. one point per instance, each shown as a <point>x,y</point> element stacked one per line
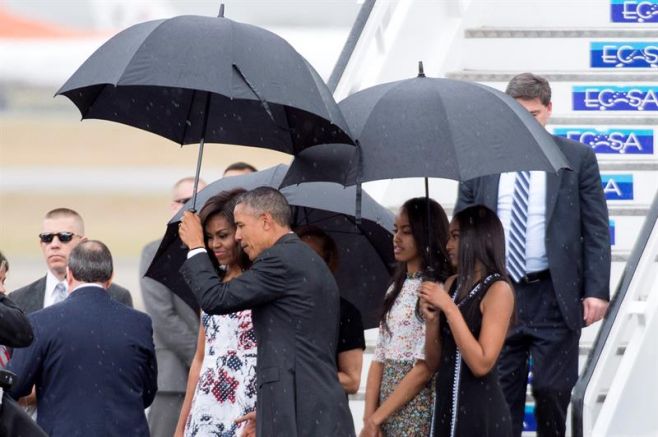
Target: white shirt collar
<point>88,285</point>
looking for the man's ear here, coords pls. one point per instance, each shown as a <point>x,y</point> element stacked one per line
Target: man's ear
<point>107,283</point>
<point>83,238</point>
<point>69,278</point>
<point>267,221</point>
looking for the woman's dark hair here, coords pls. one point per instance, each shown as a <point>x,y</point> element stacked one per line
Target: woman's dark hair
<point>481,241</point>
<point>416,210</point>
<point>329,248</point>
<point>3,262</point>
<point>223,204</point>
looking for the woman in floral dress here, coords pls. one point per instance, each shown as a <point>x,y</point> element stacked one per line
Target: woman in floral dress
<point>399,395</point>
<point>221,386</point>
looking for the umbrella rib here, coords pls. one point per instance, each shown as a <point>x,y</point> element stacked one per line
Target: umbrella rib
<point>100,90</point>
<point>187,121</point>
<point>263,102</point>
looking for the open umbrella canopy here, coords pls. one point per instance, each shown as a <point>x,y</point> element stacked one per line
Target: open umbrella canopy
<point>433,128</point>
<point>193,78</point>
<point>365,249</point>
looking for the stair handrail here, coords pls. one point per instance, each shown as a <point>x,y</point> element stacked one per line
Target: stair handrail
<point>580,389</point>
<point>350,44</point>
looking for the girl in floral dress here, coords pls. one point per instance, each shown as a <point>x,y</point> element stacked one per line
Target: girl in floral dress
<point>399,395</point>
<point>221,386</point>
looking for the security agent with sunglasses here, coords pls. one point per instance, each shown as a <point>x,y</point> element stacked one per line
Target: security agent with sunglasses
<point>61,231</point>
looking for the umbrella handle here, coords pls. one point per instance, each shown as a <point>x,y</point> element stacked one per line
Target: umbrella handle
<point>206,116</point>
<point>429,225</point>
<point>359,189</point>
<point>196,175</point>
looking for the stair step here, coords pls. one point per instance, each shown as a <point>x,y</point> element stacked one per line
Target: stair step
<point>628,165</point>
<point>620,257</point>
<point>607,120</point>
<point>594,32</point>
<point>558,76</point>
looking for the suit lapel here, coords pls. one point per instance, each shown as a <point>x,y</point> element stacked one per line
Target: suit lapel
<point>490,198</point>
<point>553,181</point>
<point>552,188</point>
<point>40,294</point>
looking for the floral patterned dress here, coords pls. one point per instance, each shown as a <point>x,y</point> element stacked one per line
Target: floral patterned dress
<point>398,349</point>
<point>227,381</point>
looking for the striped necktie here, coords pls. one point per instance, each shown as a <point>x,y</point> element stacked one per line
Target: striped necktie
<point>518,224</point>
<point>60,293</point>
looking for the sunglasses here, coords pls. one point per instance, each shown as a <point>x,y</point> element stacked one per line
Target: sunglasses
<point>64,237</point>
<point>183,201</point>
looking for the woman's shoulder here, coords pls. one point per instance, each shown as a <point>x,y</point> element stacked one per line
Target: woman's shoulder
<point>499,288</point>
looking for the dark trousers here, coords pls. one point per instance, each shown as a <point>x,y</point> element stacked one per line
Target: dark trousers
<point>539,332</point>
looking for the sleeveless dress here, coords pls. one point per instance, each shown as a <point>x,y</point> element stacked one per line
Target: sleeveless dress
<point>226,388</point>
<point>481,409</point>
<point>398,349</point>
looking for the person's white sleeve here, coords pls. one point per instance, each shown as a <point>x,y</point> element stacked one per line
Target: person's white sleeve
<point>193,252</point>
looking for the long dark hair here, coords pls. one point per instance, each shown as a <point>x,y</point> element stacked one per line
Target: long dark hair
<point>223,204</point>
<point>416,210</point>
<point>481,241</point>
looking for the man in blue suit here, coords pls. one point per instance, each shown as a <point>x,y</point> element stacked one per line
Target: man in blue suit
<point>92,359</point>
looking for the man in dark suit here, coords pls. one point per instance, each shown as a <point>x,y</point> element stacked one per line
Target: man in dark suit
<point>92,359</point>
<point>558,250</point>
<point>175,330</point>
<point>295,303</point>
<point>61,231</point>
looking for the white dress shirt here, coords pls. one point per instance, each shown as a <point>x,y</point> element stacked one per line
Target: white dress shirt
<point>51,283</point>
<point>535,245</point>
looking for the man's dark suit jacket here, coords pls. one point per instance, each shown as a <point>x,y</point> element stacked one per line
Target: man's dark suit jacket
<point>93,364</point>
<point>15,329</point>
<point>577,235</point>
<point>30,298</point>
<point>294,301</point>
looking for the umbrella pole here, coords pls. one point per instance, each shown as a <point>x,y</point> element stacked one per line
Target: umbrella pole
<point>429,269</point>
<point>359,177</point>
<point>201,144</point>
<point>197,174</point>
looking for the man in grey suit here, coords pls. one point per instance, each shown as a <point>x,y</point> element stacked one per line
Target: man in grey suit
<point>175,330</point>
<point>294,301</point>
<point>62,230</point>
<point>558,250</point>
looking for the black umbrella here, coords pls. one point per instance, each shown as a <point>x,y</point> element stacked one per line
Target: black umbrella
<point>430,127</point>
<point>365,250</point>
<point>196,79</point>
